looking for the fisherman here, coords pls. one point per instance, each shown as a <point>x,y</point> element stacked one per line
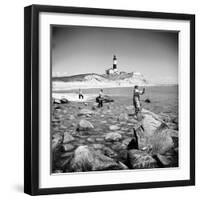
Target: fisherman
<point>136,99</point>
<point>80,94</point>
<point>100,98</point>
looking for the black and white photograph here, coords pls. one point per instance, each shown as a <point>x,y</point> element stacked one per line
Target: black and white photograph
<point>109,99</point>
<point>114,99</point>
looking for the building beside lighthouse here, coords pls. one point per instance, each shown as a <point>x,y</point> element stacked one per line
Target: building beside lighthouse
<point>114,69</point>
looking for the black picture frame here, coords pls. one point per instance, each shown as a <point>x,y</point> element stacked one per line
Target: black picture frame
<point>31,98</point>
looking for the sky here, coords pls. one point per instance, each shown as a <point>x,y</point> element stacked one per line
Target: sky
<point>79,50</point>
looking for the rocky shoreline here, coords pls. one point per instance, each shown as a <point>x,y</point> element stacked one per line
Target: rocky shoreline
<point>87,138</point>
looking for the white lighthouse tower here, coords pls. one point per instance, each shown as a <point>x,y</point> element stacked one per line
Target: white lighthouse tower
<point>114,69</point>
<point>115,63</point>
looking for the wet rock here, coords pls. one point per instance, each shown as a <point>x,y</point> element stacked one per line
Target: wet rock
<point>64,164</point>
<point>138,159</point>
<point>114,127</point>
<point>71,117</point>
<point>140,139</point>
<point>172,133</point>
<point>55,120</point>
<point>117,146</point>
<point>84,125</point>
<point>94,108</point>
<point>129,133</point>
<point>68,147</point>
<point>125,129</point>
<point>109,152</point>
<point>176,150</point>
<point>113,136</point>
<point>97,146</point>
<point>133,144</point>
<point>56,142</point>
<point>172,126</point>
<point>99,139</point>
<point>67,154</point>
<point>91,140</point>
<point>126,141</point>
<point>165,117</point>
<point>58,135</point>
<point>63,127</point>
<point>161,142</point>
<point>123,166</point>
<point>175,120</point>
<point>163,161</point>
<point>68,138</point>
<point>64,100</point>
<point>147,100</point>
<point>132,121</point>
<point>65,111</point>
<point>56,101</point>
<point>150,123</point>
<point>123,116</point>
<point>87,159</point>
<point>86,112</point>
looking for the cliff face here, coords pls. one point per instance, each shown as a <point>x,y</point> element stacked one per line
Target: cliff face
<point>121,79</point>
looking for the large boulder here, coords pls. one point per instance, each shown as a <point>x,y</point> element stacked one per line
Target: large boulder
<point>161,142</point>
<point>153,134</point>
<point>87,159</point>
<point>113,137</point>
<point>84,125</point>
<point>140,160</point>
<point>150,122</point>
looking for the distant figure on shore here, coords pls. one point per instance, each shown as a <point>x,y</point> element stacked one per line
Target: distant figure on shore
<point>80,94</point>
<point>136,99</point>
<point>100,98</point>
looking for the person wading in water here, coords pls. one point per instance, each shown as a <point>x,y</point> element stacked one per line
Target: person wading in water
<point>136,100</point>
<point>80,94</point>
<point>100,98</point>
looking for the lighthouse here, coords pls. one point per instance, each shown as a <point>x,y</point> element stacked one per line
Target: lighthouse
<point>114,63</point>
<point>113,70</point>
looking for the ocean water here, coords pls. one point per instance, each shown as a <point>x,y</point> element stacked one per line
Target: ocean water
<point>164,99</point>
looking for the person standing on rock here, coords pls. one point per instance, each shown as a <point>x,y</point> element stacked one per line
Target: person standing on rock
<point>100,98</point>
<point>136,99</point>
<point>80,94</point>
